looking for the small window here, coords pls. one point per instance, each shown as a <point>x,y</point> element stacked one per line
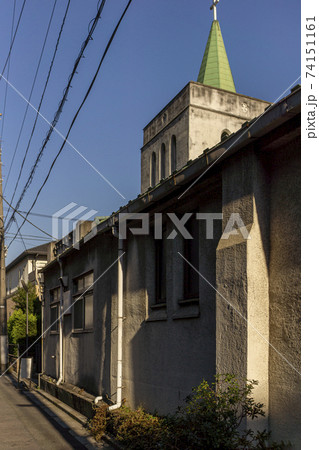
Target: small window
<point>173,154</point>
<point>225,135</point>
<point>83,303</point>
<point>78,323</point>
<point>54,322</point>
<point>163,161</point>
<point>54,295</point>
<point>191,254</point>
<point>153,169</point>
<point>160,268</point>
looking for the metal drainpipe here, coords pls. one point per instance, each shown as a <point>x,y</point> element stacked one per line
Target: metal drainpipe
<point>119,321</point>
<point>60,326</point>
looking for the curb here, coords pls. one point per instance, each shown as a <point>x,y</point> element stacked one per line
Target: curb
<point>31,386</point>
<point>83,420</point>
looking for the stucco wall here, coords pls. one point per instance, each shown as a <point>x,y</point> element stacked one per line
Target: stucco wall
<point>87,354</point>
<point>284,287</point>
<point>171,350</point>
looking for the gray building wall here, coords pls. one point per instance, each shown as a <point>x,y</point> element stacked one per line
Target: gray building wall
<point>285,293</point>
<point>86,354</point>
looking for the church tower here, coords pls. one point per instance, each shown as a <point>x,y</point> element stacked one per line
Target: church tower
<point>202,115</point>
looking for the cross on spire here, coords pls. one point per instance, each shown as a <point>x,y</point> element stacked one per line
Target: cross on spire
<point>215,3</point>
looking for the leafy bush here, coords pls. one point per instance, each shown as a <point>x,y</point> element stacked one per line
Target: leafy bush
<point>17,326</point>
<point>212,418</point>
<point>133,429</point>
<point>214,413</point>
<point>33,302</point>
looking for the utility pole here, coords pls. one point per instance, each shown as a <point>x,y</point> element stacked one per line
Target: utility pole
<point>3,304</point>
<point>26,288</point>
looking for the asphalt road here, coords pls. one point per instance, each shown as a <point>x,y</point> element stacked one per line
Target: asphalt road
<point>31,424</point>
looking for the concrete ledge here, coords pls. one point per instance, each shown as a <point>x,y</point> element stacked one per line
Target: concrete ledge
<point>70,395</point>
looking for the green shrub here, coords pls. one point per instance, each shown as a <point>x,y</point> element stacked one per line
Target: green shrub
<point>17,326</point>
<point>133,429</point>
<point>215,413</point>
<point>212,418</point>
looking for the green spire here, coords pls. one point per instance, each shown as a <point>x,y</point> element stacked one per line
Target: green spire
<point>215,69</point>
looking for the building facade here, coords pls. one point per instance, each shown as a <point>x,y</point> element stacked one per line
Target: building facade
<point>26,267</point>
<point>225,170</point>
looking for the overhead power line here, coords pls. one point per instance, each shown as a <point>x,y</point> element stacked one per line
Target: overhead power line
<point>48,216</point>
<point>41,100</point>
<point>20,235</point>
<point>25,219</point>
<point>12,42</point>
<point>60,107</point>
<point>79,109</point>
<point>30,95</point>
<point>8,73</point>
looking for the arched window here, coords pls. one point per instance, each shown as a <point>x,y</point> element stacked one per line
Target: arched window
<point>173,154</point>
<point>153,169</point>
<point>225,135</point>
<point>163,161</point>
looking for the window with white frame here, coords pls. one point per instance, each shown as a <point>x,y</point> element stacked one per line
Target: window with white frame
<point>83,302</point>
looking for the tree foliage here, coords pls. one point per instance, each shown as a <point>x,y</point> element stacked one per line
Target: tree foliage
<point>20,299</point>
<point>17,326</point>
<point>17,322</point>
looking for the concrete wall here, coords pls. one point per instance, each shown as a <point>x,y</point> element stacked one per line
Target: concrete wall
<point>87,354</point>
<point>258,311</point>
<point>167,350</point>
<point>284,293</point>
<point>242,277</point>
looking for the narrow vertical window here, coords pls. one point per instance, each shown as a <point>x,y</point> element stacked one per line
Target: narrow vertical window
<point>173,154</point>
<point>54,310</point>
<point>153,169</point>
<point>160,265</point>
<point>163,161</point>
<point>83,303</point>
<point>191,253</point>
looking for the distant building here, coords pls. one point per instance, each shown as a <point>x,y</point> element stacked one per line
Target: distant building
<point>221,302</point>
<point>26,267</point>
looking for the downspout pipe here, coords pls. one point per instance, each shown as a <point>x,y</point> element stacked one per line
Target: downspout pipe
<point>120,289</point>
<point>60,324</point>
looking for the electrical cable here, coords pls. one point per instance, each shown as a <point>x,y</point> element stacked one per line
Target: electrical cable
<point>39,214</point>
<point>25,247</point>
<point>33,236</point>
<point>15,33</point>
<point>78,111</point>
<point>26,238</point>
<point>41,100</point>
<point>8,74</point>
<point>30,95</point>
<point>25,219</point>
<point>60,107</point>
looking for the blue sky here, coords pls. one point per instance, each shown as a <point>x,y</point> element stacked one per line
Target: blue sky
<point>156,52</point>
